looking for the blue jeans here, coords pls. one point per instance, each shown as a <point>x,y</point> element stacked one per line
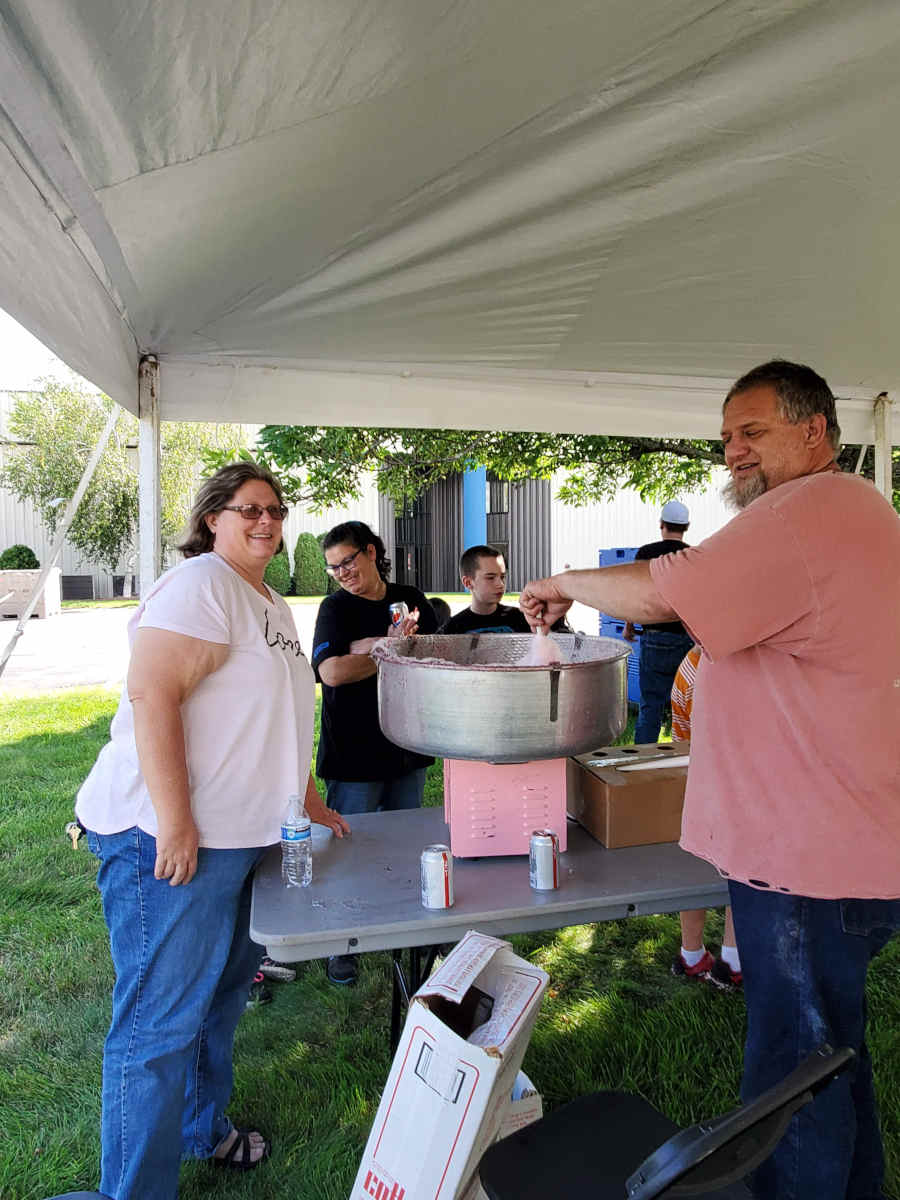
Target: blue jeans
<point>377,795</point>
<point>184,964</point>
<point>804,964</point>
<point>660,657</point>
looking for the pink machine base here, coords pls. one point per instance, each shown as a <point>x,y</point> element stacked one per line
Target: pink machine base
<point>493,808</point>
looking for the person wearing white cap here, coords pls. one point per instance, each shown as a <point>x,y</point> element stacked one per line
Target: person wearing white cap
<point>663,644</point>
<point>674,519</point>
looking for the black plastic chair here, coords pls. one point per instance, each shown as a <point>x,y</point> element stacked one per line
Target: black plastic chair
<point>602,1145</point>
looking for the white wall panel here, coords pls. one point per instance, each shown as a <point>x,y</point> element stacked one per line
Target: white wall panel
<point>304,520</point>
<point>20,524</point>
<point>577,534</point>
<point>529,531</point>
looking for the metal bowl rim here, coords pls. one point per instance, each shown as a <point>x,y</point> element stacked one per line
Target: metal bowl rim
<point>383,658</point>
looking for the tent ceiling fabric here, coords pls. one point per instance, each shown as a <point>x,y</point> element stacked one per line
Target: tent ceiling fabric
<point>488,213</point>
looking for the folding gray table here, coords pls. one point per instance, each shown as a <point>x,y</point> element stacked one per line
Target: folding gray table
<point>365,893</point>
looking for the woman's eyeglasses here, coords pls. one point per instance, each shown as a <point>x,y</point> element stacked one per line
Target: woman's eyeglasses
<point>344,565</point>
<point>252,512</point>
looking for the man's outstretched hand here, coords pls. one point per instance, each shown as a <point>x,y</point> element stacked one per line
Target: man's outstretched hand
<point>543,601</point>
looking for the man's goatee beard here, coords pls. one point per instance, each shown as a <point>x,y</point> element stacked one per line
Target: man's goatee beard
<point>738,497</point>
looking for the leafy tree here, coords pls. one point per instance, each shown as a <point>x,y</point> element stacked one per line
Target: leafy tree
<point>183,447</point>
<point>408,462</point>
<point>322,466</point>
<point>19,558</point>
<point>56,430</point>
<point>52,435</point>
<point>278,573</point>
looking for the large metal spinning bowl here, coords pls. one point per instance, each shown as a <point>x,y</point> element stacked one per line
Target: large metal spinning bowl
<point>466,696</point>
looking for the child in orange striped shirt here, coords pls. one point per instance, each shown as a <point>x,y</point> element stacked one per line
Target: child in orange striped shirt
<point>695,961</point>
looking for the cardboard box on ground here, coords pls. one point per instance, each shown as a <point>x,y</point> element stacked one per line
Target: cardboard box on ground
<point>629,795</point>
<point>448,1094</point>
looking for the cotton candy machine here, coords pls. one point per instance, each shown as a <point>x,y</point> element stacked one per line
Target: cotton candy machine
<point>504,730</point>
<point>467,696</point>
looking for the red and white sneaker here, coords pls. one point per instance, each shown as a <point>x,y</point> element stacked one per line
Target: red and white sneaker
<point>723,977</point>
<point>699,971</point>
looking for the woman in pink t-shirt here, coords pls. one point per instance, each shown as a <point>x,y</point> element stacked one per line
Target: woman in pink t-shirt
<point>213,732</point>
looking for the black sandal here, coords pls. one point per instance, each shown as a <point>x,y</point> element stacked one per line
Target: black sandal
<point>237,1155</point>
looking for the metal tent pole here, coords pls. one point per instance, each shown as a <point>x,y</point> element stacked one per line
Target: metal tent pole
<point>61,531</point>
<point>883,448</point>
<point>149,503</point>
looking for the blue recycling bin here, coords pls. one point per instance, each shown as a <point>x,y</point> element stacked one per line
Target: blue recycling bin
<point>615,555</point>
<point>613,627</point>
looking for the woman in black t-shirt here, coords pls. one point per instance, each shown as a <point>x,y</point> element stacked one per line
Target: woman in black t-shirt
<point>364,772</point>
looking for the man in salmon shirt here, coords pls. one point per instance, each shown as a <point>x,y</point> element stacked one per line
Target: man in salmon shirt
<point>794,782</point>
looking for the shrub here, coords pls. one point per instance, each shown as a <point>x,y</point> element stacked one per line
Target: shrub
<point>278,573</point>
<point>331,584</point>
<point>310,576</point>
<point>18,558</point>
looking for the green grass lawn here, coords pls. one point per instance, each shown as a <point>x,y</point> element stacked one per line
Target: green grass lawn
<point>115,602</point>
<point>309,1067</point>
<point>132,601</point>
<point>452,598</point>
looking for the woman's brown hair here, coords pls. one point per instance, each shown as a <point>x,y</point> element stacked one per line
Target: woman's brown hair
<point>214,494</point>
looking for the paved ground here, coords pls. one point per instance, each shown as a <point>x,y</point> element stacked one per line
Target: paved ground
<point>78,648</point>
<point>86,647</point>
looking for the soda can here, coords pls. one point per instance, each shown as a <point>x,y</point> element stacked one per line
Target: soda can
<point>399,613</point>
<point>437,877</point>
<point>543,860</point>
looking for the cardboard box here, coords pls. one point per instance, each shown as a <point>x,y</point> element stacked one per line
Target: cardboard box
<point>629,795</point>
<point>524,1107</point>
<point>448,1092</point>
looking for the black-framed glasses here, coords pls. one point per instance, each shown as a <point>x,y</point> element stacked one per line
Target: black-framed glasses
<point>344,565</point>
<point>252,512</point>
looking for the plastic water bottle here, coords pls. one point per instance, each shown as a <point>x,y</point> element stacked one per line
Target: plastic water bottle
<point>296,845</point>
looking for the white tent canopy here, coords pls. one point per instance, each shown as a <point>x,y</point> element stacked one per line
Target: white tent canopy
<point>511,214</point>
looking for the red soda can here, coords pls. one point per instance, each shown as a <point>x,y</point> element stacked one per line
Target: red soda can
<point>543,860</point>
<point>437,877</point>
